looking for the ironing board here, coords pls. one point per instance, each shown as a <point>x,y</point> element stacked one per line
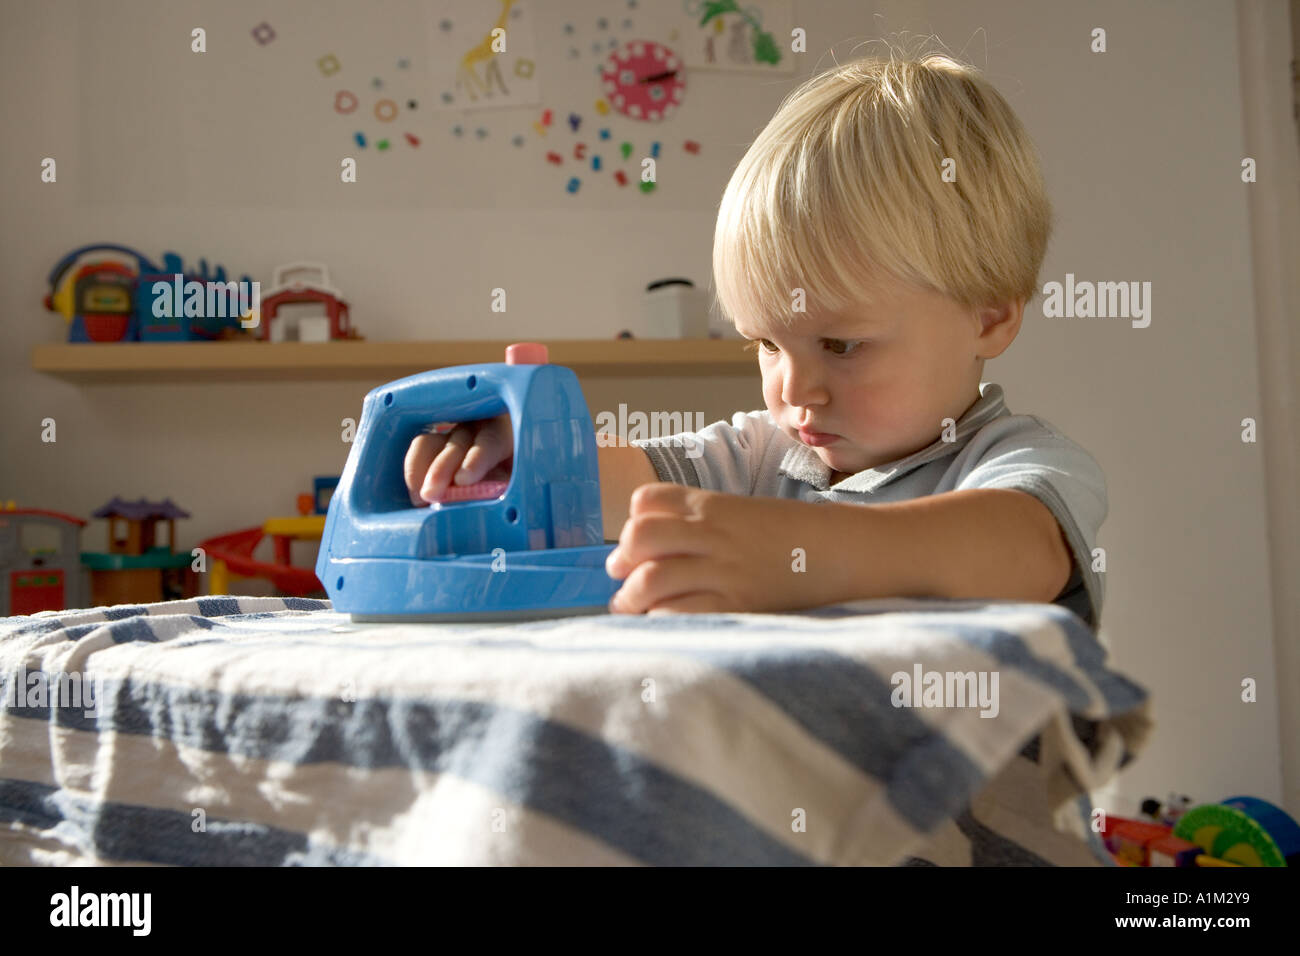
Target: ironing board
<point>274,731</point>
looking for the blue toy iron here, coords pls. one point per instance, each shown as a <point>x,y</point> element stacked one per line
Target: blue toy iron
<point>535,549</point>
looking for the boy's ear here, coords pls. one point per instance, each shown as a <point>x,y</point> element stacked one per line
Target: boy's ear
<point>999,325</point>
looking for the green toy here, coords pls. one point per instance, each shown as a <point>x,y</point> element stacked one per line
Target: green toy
<point>1242,830</point>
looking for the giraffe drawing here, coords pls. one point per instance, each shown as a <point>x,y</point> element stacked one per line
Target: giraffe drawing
<point>468,78</point>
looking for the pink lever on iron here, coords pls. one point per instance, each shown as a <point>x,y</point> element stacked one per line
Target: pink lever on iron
<point>478,491</point>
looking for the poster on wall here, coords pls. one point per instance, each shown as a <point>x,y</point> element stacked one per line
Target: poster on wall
<point>483,54</point>
<point>735,35</point>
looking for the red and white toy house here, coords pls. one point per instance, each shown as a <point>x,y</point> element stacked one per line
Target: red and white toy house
<point>309,282</point>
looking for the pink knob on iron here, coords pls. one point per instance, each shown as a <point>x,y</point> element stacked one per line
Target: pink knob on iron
<point>526,353</point>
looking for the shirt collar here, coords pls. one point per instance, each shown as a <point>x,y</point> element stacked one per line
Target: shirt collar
<point>802,464</point>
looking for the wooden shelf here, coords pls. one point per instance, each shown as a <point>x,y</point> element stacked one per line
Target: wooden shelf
<point>168,362</point>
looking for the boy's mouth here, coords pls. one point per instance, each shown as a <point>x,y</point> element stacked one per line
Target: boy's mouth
<point>817,439</point>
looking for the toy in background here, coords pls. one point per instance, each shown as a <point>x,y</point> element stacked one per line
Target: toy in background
<point>1167,813</point>
<point>40,558</point>
<point>323,488</point>
<point>231,555</point>
<point>1240,831</point>
<point>305,282</point>
<point>47,571</point>
<point>112,293</point>
<point>137,569</point>
<point>1137,843</point>
<point>1243,830</point>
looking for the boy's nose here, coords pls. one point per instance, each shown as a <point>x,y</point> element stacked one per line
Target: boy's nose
<point>799,389</point>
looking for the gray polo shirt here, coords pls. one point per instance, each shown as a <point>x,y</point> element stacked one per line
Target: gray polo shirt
<point>993,449</point>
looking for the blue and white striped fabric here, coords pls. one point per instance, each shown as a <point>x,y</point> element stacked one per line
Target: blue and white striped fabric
<point>272,731</point>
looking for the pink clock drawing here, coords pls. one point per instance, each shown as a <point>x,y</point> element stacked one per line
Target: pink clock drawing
<point>644,80</point>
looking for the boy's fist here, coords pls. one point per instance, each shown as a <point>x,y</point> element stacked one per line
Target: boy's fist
<point>691,550</point>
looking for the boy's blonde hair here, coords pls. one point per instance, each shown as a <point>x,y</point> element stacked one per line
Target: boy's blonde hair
<point>847,179</point>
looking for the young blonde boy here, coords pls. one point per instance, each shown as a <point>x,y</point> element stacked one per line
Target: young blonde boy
<point>878,243</point>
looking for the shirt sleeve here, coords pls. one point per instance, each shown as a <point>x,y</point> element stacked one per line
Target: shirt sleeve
<point>1025,453</point>
<point>722,457</point>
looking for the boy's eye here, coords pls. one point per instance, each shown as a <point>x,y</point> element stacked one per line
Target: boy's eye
<point>836,346</point>
<point>847,347</point>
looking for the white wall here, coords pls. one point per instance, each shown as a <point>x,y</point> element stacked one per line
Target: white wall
<point>233,155</point>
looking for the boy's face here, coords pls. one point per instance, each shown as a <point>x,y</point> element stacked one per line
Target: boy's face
<point>879,381</point>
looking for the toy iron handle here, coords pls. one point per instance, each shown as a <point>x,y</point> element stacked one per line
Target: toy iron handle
<point>396,413</point>
<point>519,353</point>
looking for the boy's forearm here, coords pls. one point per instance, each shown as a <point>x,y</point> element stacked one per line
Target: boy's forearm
<point>979,543</point>
<point>622,470</point>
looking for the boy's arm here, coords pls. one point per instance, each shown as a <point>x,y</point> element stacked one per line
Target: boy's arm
<point>622,470</point>
<point>990,543</point>
<point>693,550</point>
